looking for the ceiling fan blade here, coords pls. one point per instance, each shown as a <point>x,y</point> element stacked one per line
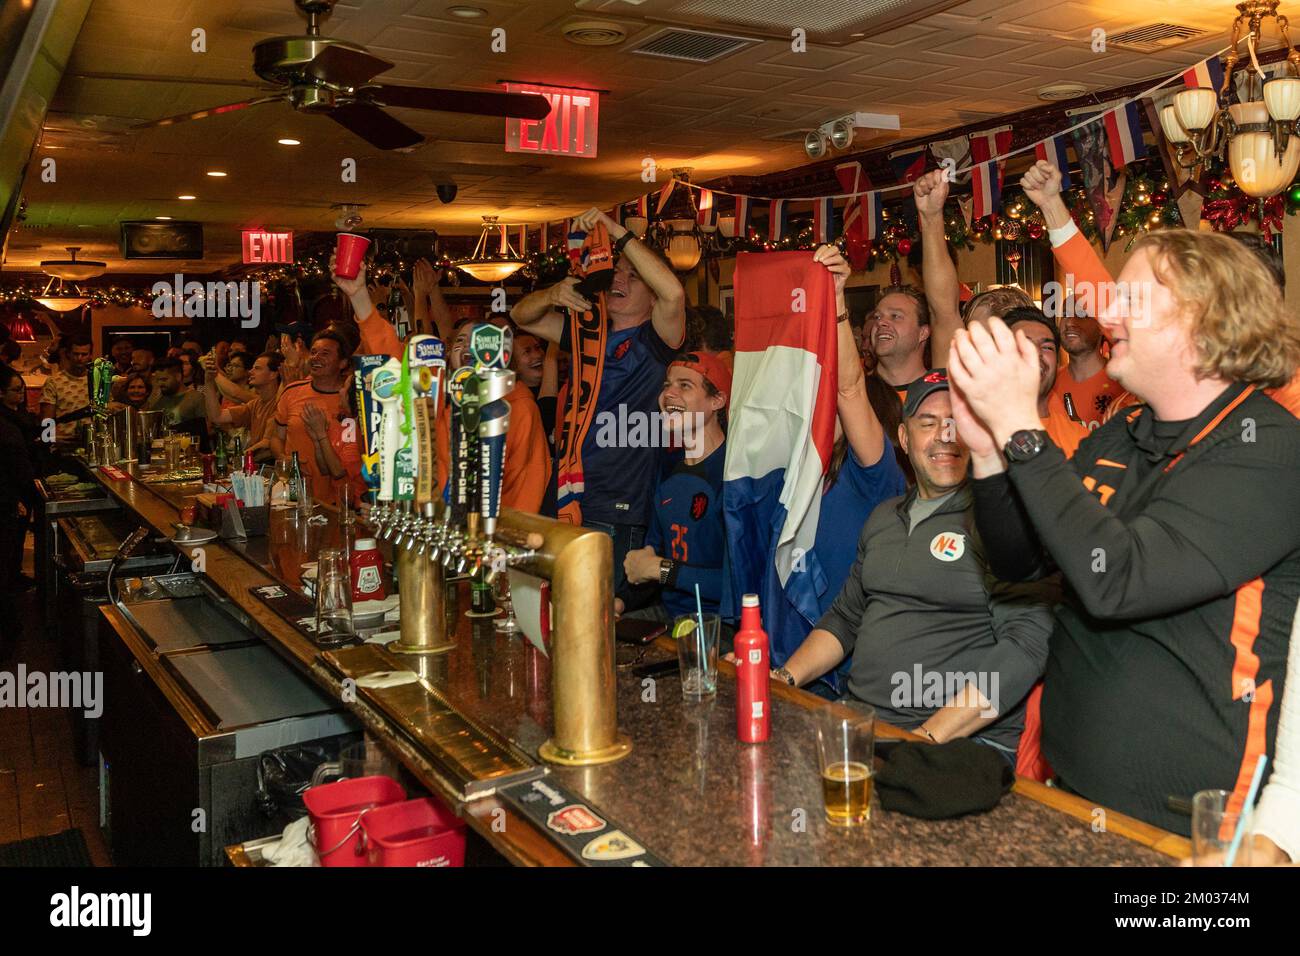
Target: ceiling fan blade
<point>345,66</point>
<point>483,102</point>
<point>375,126</point>
<point>211,111</point>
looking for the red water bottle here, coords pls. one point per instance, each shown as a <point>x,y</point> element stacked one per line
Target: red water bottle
<point>753,701</point>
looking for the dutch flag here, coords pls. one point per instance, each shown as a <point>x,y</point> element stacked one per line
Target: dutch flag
<point>705,214</point>
<point>823,217</point>
<point>875,215</point>
<point>1207,74</point>
<point>776,220</point>
<point>986,176</point>
<point>1124,134</point>
<point>1053,150</point>
<point>779,439</point>
<point>742,216</point>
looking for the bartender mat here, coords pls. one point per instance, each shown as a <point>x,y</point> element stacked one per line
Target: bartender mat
<point>299,613</point>
<point>181,624</point>
<point>472,756</point>
<point>62,849</point>
<point>589,836</point>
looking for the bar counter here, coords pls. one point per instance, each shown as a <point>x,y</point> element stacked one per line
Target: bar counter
<point>689,791</point>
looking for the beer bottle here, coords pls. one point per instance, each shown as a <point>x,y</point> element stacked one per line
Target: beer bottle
<point>221,455</point>
<point>480,592</point>
<point>295,479</point>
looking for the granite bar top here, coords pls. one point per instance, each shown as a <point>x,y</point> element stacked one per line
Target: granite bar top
<point>690,791</point>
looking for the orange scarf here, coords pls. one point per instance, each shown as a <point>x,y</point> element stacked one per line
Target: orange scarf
<point>588,334</point>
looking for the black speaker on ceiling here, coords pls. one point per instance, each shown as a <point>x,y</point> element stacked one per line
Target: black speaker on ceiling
<point>162,240</point>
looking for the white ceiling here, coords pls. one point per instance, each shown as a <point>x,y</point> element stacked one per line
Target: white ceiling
<point>979,58</point>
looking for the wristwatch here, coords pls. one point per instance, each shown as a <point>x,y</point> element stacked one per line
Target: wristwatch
<point>780,673</point>
<point>1025,444</point>
<point>665,570</point>
<point>842,317</point>
<point>622,241</point>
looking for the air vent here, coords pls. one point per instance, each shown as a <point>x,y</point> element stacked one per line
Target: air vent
<point>594,32</point>
<point>693,45</point>
<point>1154,37</point>
<point>1061,91</point>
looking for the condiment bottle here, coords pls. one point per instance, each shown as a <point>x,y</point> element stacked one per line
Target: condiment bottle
<point>753,700</point>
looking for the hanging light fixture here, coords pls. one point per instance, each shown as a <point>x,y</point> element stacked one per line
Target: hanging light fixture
<point>71,270</point>
<point>683,245</point>
<point>1258,137</point>
<point>494,259</point>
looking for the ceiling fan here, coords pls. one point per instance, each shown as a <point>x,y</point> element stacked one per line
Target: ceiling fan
<point>316,74</point>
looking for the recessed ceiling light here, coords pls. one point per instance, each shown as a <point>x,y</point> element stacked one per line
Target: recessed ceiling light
<point>1061,91</point>
<point>289,142</point>
<point>467,13</point>
<point>162,217</point>
<point>216,172</point>
<point>187,197</point>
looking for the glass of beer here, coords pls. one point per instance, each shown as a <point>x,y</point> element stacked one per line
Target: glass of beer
<point>845,744</point>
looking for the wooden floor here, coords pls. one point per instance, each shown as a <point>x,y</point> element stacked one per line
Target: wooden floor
<point>43,790</point>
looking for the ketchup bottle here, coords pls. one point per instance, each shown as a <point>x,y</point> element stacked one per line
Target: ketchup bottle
<point>753,703</point>
<point>367,571</point>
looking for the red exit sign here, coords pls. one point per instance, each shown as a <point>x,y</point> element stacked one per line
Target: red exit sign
<point>569,130</point>
<point>267,247</point>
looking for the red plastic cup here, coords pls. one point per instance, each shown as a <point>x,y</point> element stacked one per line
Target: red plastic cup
<point>349,250</point>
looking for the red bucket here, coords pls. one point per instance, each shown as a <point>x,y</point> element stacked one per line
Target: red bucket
<point>414,833</point>
<point>336,811</point>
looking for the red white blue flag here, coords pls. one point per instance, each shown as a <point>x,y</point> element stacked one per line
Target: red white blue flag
<point>779,440</point>
<point>875,219</point>
<point>665,194</point>
<point>743,211</point>
<point>523,240</point>
<point>986,176</point>
<point>705,214</point>
<point>1053,151</point>
<point>776,220</point>
<point>823,217</point>
<point>1124,135</point>
<point>1208,74</point>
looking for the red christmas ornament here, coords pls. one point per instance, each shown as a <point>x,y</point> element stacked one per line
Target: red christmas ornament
<point>1160,197</point>
<point>895,273</point>
<point>904,247</point>
<point>1035,230</point>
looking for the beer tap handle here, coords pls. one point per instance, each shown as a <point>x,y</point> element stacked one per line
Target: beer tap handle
<point>385,384</point>
<point>494,424</point>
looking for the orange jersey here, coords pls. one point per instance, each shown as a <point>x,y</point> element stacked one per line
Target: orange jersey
<point>343,436</point>
<point>1089,399</point>
<point>1061,428</point>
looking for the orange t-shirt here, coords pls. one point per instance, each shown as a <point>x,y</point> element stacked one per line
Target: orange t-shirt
<point>1061,428</point>
<point>343,436</point>
<point>1288,396</point>
<point>1091,398</point>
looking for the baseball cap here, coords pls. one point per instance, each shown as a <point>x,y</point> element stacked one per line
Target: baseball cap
<point>935,380</point>
<point>712,368</point>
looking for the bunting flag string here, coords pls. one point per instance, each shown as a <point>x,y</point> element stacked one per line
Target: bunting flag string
<point>989,150</point>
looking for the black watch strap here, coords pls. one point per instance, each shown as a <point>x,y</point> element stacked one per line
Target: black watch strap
<point>1026,444</point>
<point>622,241</point>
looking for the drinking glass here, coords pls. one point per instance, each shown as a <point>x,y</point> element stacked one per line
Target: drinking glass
<point>697,655</point>
<point>333,594</point>
<point>506,624</point>
<point>1213,826</point>
<point>845,746</point>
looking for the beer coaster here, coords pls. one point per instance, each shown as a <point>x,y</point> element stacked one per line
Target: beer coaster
<point>585,833</point>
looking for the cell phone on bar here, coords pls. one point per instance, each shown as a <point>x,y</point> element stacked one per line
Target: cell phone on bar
<point>632,631</point>
<point>656,669</point>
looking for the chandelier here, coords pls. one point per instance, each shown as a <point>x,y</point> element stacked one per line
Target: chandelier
<point>493,259</point>
<point>60,298</point>
<point>1257,135</point>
